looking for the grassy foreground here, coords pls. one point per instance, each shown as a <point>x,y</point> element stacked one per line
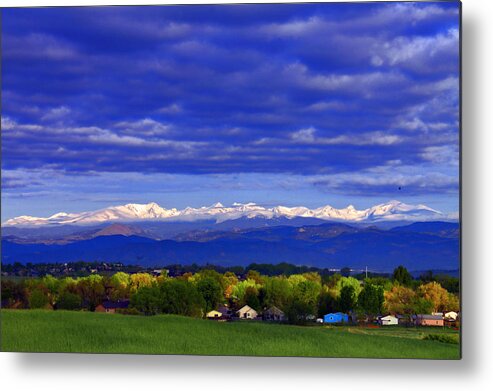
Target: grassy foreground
<point>62,331</point>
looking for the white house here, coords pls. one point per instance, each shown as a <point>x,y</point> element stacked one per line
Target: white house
<point>247,312</point>
<point>213,314</point>
<point>451,315</point>
<point>388,320</point>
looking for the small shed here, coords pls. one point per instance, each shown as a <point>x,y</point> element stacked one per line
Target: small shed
<point>110,307</point>
<point>274,314</point>
<point>213,314</point>
<point>429,320</point>
<point>337,317</point>
<point>247,312</point>
<point>388,320</point>
<point>451,315</point>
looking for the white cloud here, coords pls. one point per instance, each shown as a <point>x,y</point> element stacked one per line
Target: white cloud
<point>56,114</point>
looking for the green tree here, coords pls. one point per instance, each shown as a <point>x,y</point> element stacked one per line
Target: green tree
<point>251,298</point>
<point>402,276</point>
<point>38,299</point>
<point>277,292</point>
<point>304,302</point>
<point>347,299</point>
<point>68,301</point>
<point>120,283</point>
<point>91,289</point>
<point>371,299</point>
<point>146,300</point>
<point>299,311</point>
<point>211,291</point>
<point>326,303</point>
<point>345,271</point>
<point>239,289</point>
<point>14,293</point>
<point>181,297</point>
<point>255,276</point>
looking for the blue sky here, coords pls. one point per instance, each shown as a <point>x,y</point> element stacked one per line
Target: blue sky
<point>293,104</point>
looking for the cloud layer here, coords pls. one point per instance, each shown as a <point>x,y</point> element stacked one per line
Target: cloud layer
<point>332,91</point>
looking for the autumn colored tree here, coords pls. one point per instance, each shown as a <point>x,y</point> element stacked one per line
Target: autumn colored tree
<point>400,300</point>
<point>140,280</point>
<point>453,302</point>
<point>434,293</point>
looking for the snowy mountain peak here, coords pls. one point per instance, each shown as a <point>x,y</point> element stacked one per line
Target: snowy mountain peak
<point>391,211</point>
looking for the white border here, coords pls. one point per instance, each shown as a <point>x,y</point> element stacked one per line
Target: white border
<point>474,372</point>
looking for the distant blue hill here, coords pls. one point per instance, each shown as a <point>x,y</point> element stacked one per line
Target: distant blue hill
<point>437,227</point>
<point>325,245</point>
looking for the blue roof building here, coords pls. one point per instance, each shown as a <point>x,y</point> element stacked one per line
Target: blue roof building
<point>337,317</point>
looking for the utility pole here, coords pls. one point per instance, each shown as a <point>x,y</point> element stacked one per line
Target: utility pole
<point>366,271</point>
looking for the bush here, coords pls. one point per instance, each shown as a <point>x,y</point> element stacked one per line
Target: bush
<point>69,301</point>
<point>38,299</point>
<point>446,338</point>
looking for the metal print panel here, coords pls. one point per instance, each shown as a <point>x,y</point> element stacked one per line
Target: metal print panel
<point>262,179</point>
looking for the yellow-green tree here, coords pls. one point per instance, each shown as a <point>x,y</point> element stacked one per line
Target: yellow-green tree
<point>400,300</point>
<point>140,280</point>
<point>435,294</point>
<point>120,285</point>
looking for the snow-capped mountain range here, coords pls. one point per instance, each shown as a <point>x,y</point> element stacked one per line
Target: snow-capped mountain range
<point>390,211</point>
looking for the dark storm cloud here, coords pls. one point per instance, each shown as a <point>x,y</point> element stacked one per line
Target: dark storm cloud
<point>305,89</point>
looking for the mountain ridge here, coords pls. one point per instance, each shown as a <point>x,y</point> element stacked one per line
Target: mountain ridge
<point>332,245</point>
<point>391,211</point>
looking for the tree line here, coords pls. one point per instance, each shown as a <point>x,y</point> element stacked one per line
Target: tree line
<point>301,296</point>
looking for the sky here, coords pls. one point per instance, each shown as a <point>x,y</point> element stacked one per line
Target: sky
<point>292,104</point>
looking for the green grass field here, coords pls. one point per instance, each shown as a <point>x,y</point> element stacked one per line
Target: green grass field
<point>61,331</point>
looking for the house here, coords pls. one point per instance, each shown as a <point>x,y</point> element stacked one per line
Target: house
<point>247,312</point>
<point>110,307</point>
<point>406,320</point>
<point>388,320</point>
<point>450,316</point>
<point>226,312</point>
<point>337,317</point>
<point>429,320</point>
<point>214,315</point>
<point>274,314</point>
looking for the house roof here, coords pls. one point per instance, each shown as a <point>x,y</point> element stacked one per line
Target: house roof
<point>388,316</point>
<point>224,310</point>
<point>246,308</point>
<point>274,311</point>
<point>116,304</point>
<point>429,317</point>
